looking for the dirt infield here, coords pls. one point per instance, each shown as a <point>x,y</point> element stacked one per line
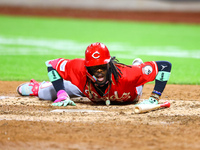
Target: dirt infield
<point>29,123</point>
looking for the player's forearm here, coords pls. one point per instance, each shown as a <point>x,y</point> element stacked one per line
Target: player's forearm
<point>164,70</point>
<point>55,78</point>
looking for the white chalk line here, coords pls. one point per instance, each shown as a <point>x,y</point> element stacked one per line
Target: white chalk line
<point>171,113</point>
<point>76,110</point>
<point>33,46</point>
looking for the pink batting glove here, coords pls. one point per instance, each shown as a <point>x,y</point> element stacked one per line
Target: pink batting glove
<point>61,95</point>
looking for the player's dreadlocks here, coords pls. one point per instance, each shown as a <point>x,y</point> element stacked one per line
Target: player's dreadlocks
<point>114,69</point>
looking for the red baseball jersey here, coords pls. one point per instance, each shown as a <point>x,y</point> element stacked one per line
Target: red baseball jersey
<point>123,90</point>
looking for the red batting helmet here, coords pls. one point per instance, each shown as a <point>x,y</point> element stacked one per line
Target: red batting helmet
<point>97,54</point>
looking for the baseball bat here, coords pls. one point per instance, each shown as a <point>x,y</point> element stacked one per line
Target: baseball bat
<point>148,107</point>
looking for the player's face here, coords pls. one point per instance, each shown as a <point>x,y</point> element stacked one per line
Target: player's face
<point>100,72</point>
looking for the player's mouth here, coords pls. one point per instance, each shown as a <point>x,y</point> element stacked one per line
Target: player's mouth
<point>101,78</point>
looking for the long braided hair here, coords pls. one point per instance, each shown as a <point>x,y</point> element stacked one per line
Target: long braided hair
<point>114,63</point>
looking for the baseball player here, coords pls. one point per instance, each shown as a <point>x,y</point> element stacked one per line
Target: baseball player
<point>99,77</point>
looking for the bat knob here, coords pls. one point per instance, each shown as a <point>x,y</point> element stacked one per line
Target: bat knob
<point>166,104</point>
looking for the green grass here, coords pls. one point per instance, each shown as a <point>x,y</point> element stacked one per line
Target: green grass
<point>136,36</point>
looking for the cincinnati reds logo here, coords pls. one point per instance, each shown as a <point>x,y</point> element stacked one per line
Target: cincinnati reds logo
<point>96,55</point>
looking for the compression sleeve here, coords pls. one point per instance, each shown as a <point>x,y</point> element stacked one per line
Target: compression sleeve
<point>164,70</point>
<point>55,78</point>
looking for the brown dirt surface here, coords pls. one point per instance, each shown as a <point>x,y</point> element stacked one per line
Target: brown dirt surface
<point>30,123</point>
<point>145,16</point>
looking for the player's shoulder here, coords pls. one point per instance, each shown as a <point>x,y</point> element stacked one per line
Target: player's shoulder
<point>80,61</point>
<point>149,63</point>
<point>70,63</point>
<point>133,69</point>
<point>149,67</point>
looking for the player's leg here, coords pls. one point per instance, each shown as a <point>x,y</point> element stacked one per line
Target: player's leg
<point>139,89</point>
<point>45,90</point>
<point>139,92</point>
<point>137,61</point>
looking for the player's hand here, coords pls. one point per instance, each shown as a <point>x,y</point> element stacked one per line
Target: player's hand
<point>151,100</point>
<point>64,103</point>
<point>63,99</point>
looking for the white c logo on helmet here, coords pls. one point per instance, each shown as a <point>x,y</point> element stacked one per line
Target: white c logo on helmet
<point>96,55</point>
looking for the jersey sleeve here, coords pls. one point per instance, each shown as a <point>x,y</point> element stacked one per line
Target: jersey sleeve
<point>143,73</point>
<point>72,70</point>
